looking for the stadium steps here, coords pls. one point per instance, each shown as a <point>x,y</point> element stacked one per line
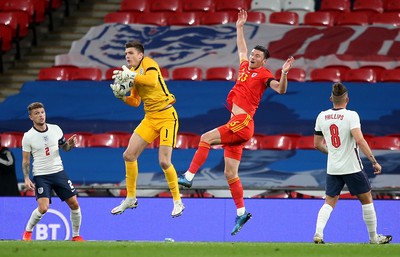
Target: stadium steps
<point>83,14</point>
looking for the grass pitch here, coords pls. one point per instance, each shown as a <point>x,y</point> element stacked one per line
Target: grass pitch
<point>187,249</point>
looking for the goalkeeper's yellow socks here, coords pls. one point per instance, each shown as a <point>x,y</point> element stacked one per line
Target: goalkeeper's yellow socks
<point>172,180</point>
<point>131,170</point>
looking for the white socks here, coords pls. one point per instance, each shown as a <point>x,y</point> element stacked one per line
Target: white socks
<point>76,219</point>
<point>370,220</point>
<point>36,216</point>
<point>189,175</point>
<point>323,217</point>
<point>240,211</point>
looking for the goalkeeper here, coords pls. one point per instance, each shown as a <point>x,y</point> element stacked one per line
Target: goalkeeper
<point>145,83</point>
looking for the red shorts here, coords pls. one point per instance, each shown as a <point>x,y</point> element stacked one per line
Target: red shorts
<point>237,131</point>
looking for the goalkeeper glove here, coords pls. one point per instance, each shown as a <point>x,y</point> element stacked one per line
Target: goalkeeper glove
<point>117,91</point>
<point>124,76</point>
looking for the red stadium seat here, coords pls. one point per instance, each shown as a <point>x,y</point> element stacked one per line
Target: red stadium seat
<point>164,73</point>
<point>392,6</point>
<point>335,6</point>
<point>135,6</point>
<point>120,17</point>
<point>35,9</point>
<point>187,73</point>
<point>319,19</point>
<point>287,18</point>
<point>109,72</point>
<point>186,140</point>
<point>342,68</point>
<point>220,73</point>
<point>254,142</point>
<point>361,75</point>
<point>155,18</point>
<point>388,18</point>
<point>231,5</point>
<point>385,143</point>
<point>165,6</point>
<point>353,18</point>
<point>184,19</point>
<point>11,139</point>
<point>55,73</point>
<point>6,39</point>
<point>295,74</point>
<point>256,17</point>
<point>325,74</point>
<point>103,140</point>
<point>276,142</point>
<point>81,138</point>
<point>215,18</point>
<point>198,5</point>
<point>88,73</point>
<point>123,137</point>
<point>19,22</point>
<point>305,142</point>
<point>368,7</point>
<point>391,75</point>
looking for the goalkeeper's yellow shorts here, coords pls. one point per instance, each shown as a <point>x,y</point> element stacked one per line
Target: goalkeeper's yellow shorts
<point>162,123</point>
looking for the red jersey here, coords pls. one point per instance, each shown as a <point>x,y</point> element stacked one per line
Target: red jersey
<point>249,88</point>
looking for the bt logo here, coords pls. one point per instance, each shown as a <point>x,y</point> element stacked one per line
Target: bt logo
<point>54,226</point>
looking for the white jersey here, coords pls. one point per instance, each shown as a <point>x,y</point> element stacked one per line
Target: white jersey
<point>44,149</point>
<point>343,153</point>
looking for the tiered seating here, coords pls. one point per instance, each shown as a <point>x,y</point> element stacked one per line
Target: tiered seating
<point>11,139</point>
<point>325,74</point>
<point>220,73</point>
<point>301,7</point>
<point>187,73</point>
<point>286,18</point>
<point>295,74</point>
<point>361,75</point>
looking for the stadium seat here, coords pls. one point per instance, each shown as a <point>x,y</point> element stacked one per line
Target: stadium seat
<point>254,142</point>
<point>360,75</point>
<point>35,9</point>
<point>256,17</point>
<point>368,7</point>
<point>376,68</point>
<point>186,140</point>
<point>81,138</point>
<point>301,7</point>
<point>120,17</point>
<point>88,73</point>
<point>18,21</point>
<point>305,143</point>
<point>231,5</point>
<point>11,139</point>
<point>385,143</point>
<point>165,73</point>
<point>387,18</point>
<point>276,142</point>
<point>266,6</point>
<point>6,39</point>
<point>109,72</point>
<point>287,18</point>
<point>391,6</point>
<point>155,18</point>
<point>295,74</point>
<point>123,137</point>
<point>198,5</point>
<point>342,68</point>
<point>55,73</point>
<point>187,73</point>
<point>135,6</point>
<point>352,19</point>
<point>103,140</point>
<point>319,19</point>
<point>325,74</point>
<point>390,75</point>
<point>165,6</point>
<point>184,19</point>
<point>220,73</point>
<point>215,18</point>
<point>336,6</point>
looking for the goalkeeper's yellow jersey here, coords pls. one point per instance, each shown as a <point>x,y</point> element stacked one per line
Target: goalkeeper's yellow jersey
<point>149,87</point>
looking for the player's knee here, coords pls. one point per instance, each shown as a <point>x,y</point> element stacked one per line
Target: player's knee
<point>165,164</point>
<point>43,209</point>
<point>129,157</point>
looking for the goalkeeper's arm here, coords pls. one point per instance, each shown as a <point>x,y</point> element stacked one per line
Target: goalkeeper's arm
<point>133,99</point>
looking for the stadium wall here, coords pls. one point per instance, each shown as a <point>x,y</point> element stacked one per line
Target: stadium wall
<point>205,220</point>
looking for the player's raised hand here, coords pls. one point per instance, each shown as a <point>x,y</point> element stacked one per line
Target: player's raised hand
<point>288,64</point>
<point>242,18</point>
<point>72,140</point>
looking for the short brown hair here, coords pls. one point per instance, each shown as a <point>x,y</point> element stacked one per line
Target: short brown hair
<point>35,105</point>
<point>339,92</point>
<point>135,44</point>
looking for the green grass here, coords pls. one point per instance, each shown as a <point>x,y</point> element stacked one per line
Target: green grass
<point>186,249</point>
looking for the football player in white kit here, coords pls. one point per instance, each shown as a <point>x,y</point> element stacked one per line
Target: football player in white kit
<point>338,134</point>
<point>42,142</point>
